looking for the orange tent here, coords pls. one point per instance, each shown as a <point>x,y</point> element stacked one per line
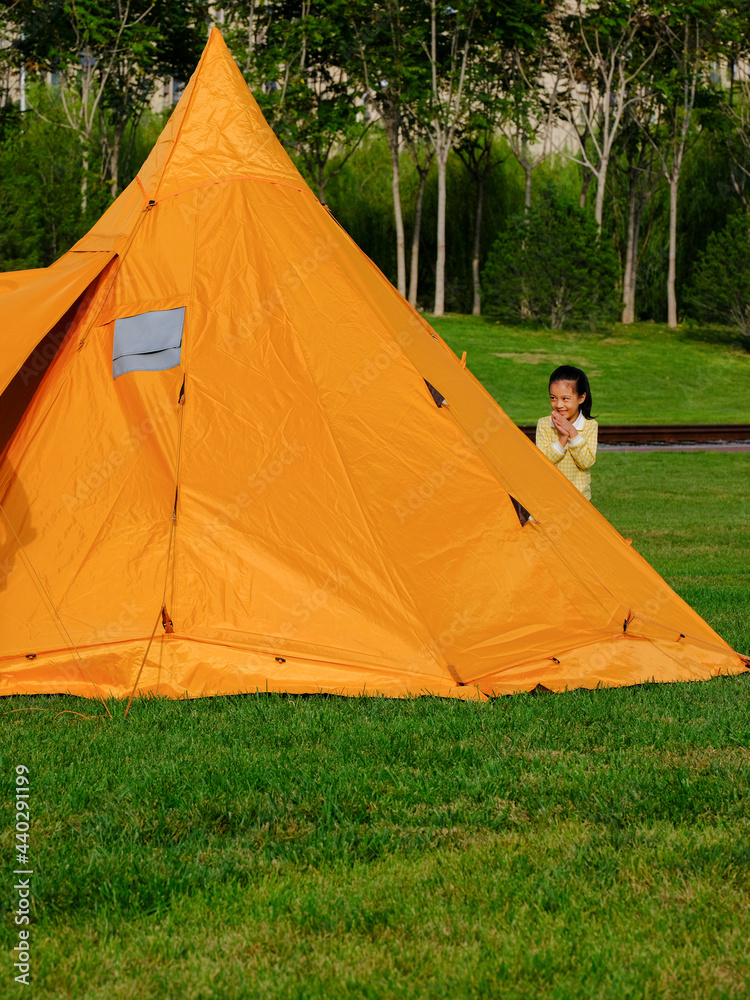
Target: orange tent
<point>223,470</point>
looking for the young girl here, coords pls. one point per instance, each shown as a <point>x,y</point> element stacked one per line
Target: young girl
<point>568,437</point>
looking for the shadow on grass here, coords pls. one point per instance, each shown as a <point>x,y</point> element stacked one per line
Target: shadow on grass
<point>691,331</point>
<point>723,336</point>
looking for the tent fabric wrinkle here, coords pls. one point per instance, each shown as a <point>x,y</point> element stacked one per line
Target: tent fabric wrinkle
<point>273,475</point>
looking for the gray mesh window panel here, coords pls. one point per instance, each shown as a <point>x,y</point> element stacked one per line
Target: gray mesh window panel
<point>150,342</point>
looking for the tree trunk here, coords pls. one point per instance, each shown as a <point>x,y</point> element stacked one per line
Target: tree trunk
<point>393,137</point>
<point>628,285</point>
<point>601,183</point>
<point>527,196</point>
<point>477,306</point>
<point>527,168</point>
<point>739,187</point>
<point>636,253</point>
<point>414,263</point>
<point>114,166</point>
<point>587,175</point>
<point>250,34</point>
<point>84,174</point>
<point>442,162</point>
<point>322,181</point>
<point>671,295</point>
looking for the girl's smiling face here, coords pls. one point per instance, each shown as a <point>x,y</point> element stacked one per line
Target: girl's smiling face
<point>565,399</point>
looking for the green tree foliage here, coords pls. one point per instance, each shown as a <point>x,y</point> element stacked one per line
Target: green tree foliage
<point>360,198</point>
<point>301,61</point>
<point>732,89</point>
<point>105,58</point>
<point>678,80</point>
<point>348,87</point>
<point>720,288</point>
<point>40,181</point>
<point>709,198</point>
<point>393,76</point>
<point>604,54</point>
<point>40,178</point>
<point>550,266</point>
<point>498,82</point>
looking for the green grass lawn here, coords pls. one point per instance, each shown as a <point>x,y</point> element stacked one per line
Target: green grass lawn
<point>688,514</point>
<point>640,374</point>
<point>593,844</point>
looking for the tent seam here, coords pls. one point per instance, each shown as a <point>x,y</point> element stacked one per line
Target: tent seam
<point>230,180</point>
<point>187,342</point>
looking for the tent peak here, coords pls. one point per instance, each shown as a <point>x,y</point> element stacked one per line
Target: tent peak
<point>216,133</point>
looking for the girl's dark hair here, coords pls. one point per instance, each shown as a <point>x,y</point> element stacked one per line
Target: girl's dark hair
<point>567,373</point>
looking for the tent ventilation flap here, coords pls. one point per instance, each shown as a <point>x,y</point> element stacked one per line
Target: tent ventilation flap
<point>149,342</point>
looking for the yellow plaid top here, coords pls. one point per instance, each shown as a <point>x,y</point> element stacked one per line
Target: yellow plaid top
<point>578,455</point>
